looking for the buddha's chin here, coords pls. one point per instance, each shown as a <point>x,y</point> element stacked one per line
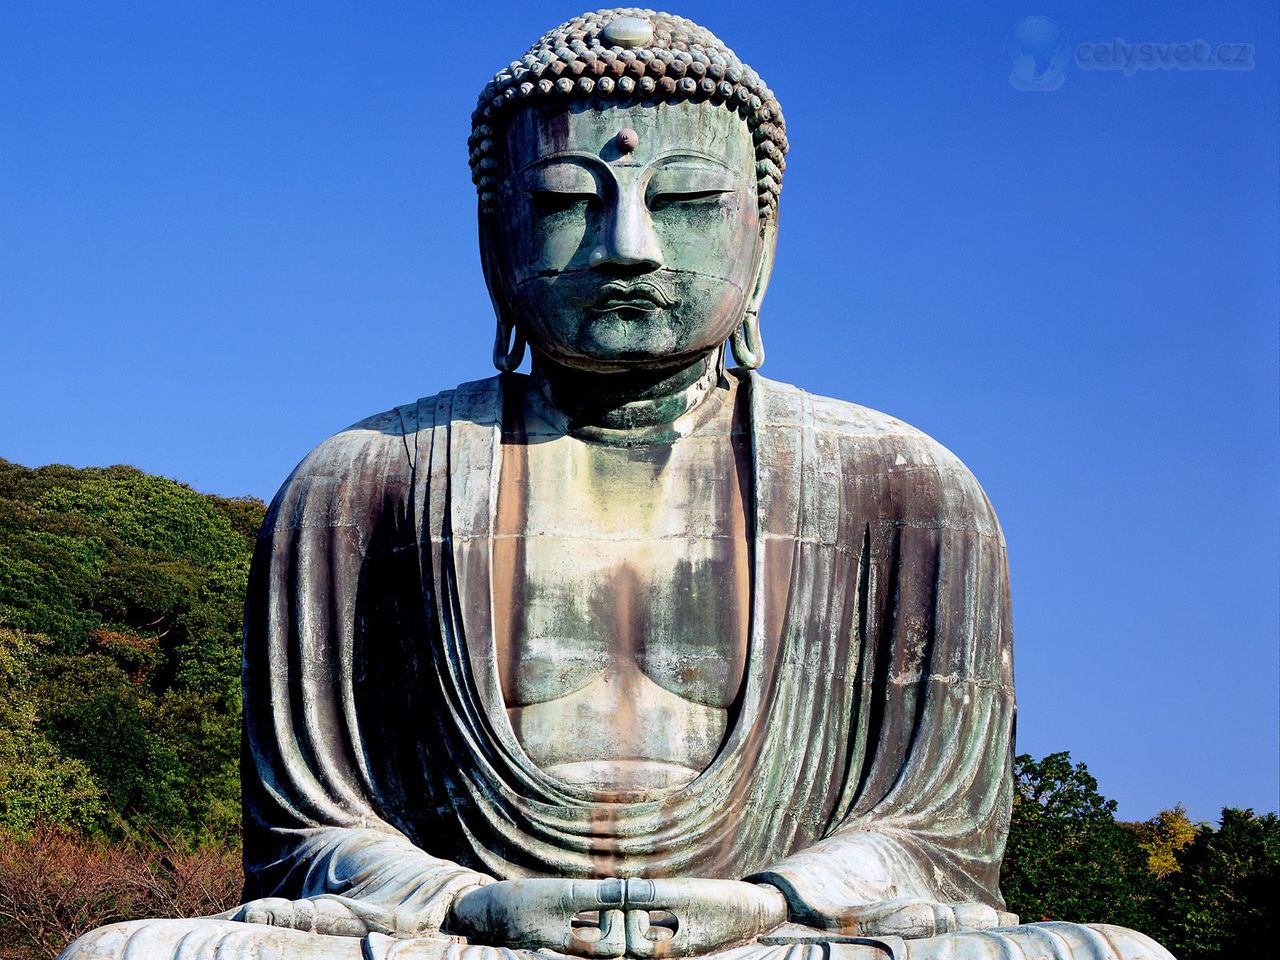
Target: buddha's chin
<point>630,337</point>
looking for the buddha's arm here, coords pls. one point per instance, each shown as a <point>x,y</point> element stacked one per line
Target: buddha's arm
<point>867,883</point>
<point>330,597</point>
<point>930,817</point>
<point>355,881</point>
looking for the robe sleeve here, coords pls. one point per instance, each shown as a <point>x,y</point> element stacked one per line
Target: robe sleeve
<point>327,584</point>
<point>929,786</point>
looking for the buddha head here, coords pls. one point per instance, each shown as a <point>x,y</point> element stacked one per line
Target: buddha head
<point>628,169</point>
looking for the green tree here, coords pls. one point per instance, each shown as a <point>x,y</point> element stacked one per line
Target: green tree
<point>38,784</point>
<point>1224,898</point>
<point>1067,858</point>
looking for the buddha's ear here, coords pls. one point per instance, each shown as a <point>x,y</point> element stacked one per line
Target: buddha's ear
<point>492,264</point>
<point>508,340</point>
<point>768,246</point>
<point>745,341</point>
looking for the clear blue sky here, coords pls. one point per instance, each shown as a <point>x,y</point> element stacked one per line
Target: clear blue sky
<point>229,229</point>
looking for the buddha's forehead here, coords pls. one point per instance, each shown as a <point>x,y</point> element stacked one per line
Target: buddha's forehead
<point>661,129</point>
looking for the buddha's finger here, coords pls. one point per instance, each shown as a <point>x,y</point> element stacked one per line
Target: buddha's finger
<point>295,915</point>
<point>676,893</point>
<point>909,919</point>
<point>974,916</point>
<point>745,905</point>
<point>270,911</point>
<point>338,916</point>
<point>332,916</point>
<point>704,915</point>
<point>341,927</point>
<point>538,913</point>
<point>556,896</point>
<point>611,941</point>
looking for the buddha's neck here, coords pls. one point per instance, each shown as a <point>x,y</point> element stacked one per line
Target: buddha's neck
<point>625,401</point>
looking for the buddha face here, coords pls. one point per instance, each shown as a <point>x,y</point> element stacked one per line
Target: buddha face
<point>627,236</point>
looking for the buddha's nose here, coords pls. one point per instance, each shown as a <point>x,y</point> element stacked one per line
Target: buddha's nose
<point>627,240</point>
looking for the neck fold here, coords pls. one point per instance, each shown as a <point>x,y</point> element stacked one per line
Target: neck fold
<point>631,407</point>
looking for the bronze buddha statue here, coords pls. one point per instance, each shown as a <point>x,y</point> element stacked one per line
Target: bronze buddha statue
<point>640,654</point>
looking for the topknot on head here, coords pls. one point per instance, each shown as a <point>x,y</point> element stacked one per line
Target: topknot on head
<point>632,55</point>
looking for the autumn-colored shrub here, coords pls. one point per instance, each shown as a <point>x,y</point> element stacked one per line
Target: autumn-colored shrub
<point>56,885</point>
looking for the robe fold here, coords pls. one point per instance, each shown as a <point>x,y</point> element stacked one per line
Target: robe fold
<point>868,759</point>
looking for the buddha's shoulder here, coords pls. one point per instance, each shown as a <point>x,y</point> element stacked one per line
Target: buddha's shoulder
<point>476,399</point>
<point>912,476</point>
<point>855,427</point>
<point>397,433</point>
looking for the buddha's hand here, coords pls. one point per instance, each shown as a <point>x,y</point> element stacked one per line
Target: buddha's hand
<point>618,918</point>
<point>582,917</point>
<point>327,914</point>
<point>689,917</point>
<point>915,919</point>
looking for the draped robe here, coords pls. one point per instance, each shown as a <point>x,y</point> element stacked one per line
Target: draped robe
<point>869,758</point>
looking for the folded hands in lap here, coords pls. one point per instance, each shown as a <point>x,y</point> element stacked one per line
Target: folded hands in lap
<point>615,918</point>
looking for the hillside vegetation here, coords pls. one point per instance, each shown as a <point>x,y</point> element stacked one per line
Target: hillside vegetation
<point>120,609</point>
<point>121,597</point>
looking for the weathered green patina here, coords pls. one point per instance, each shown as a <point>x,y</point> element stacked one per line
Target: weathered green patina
<point>636,655</point>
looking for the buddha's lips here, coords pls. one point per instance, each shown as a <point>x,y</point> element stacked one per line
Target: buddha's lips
<point>636,295</point>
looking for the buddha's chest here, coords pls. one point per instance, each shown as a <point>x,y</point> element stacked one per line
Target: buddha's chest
<point>621,600</point>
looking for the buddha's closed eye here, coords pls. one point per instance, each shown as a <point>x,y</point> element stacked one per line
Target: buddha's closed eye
<point>547,202</point>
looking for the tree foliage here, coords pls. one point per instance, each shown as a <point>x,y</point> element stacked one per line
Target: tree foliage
<point>121,597</point>
<point>1163,837</point>
<point>1205,892</point>
<point>1223,900</point>
<point>1067,858</point>
<point>38,784</point>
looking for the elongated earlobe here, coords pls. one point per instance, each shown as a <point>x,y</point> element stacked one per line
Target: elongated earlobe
<point>508,340</point>
<point>746,342</point>
<point>508,347</point>
<point>748,348</point>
